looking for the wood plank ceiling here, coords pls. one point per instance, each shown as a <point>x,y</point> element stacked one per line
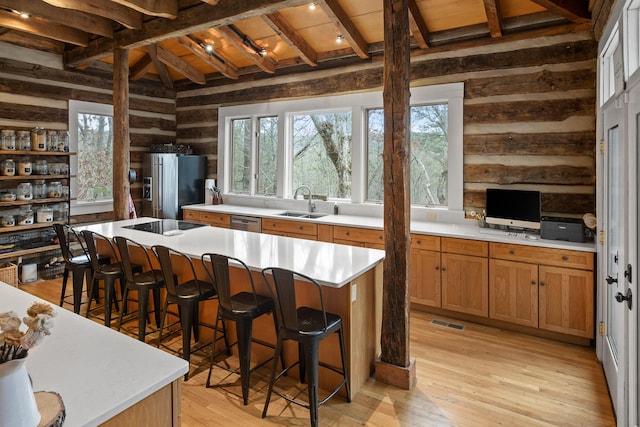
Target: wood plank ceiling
<point>195,41</point>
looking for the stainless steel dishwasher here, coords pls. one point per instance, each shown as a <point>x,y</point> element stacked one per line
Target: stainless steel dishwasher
<point>246,223</point>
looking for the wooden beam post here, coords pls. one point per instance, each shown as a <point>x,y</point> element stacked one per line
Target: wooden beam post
<point>121,142</point>
<point>395,367</point>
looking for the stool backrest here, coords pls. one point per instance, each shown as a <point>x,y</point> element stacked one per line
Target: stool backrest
<point>217,267</point>
<point>90,238</point>
<point>166,257</point>
<point>65,234</point>
<point>124,247</point>
<point>283,286</point>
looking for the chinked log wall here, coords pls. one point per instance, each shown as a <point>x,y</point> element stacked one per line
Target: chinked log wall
<point>529,112</point>
<point>36,95</point>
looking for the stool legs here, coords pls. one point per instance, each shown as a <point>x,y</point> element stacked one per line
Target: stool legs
<point>244,328</point>
<point>311,361</point>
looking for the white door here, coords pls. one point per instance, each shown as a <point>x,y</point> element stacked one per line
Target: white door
<point>613,224</point>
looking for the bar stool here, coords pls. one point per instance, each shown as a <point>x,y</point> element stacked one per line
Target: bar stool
<point>142,281</point>
<point>308,326</point>
<point>108,273</point>
<point>78,265</point>
<point>241,308</point>
<point>187,295</point>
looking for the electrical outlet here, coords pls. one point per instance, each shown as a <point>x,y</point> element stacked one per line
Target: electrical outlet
<point>432,216</point>
<point>354,288</point>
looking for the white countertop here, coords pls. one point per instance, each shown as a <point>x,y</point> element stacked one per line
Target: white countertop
<point>468,230</point>
<point>98,371</point>
<point>330,264</point>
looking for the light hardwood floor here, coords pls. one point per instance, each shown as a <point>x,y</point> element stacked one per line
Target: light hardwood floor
<point>480,376</point>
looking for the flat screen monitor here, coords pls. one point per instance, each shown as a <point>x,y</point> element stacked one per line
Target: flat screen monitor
<point>513,208</point>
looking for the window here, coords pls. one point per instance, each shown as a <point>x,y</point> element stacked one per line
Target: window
<point>321,146</point>
<point>334,145</point>
<point>91,137</point>
<point>428,163</point>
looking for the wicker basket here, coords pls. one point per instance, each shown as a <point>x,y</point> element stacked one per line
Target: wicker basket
<point>9,273</point>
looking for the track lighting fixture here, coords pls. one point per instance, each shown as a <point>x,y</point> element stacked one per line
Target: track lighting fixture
<point>339,38</point>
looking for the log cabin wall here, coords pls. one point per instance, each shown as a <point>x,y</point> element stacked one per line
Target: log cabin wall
<point>32,94</point>
<point>529,112</point>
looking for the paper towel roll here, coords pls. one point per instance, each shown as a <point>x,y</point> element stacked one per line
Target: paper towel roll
<point>208,195</point>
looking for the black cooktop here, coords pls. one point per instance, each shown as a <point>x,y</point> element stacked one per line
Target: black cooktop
<point>164,225</point>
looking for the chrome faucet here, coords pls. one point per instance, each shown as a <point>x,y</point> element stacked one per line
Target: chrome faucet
<point>312,205</point>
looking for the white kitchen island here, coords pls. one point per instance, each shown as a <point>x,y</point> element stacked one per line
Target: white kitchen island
<point>351,278</point>
<point>104,377</point>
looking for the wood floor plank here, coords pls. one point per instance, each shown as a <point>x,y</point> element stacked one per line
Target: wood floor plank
<point>480,376</point>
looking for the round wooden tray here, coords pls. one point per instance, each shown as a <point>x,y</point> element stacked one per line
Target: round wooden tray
<point>51,407</point>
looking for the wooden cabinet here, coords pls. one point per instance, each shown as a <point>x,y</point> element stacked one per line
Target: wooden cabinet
<point>355,236</point>
<point>284,227</point>
<point>215,219</point>
<point>425,279</point>
<point>552,289</point>
<point>513,292</point>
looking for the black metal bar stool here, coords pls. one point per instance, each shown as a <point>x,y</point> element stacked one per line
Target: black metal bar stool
<point>187,295</point>
<point>241,308</point>
<point>307,326</point>
<point>142,281</point>
<point>108,273</point>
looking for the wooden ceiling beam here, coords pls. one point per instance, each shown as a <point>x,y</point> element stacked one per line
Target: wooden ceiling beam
<point>198,18</point>
<point>141,67</point>
<point>107,9</point>
<point>43,28</point>
<point>575,11</point>
<point>494,20</point>
<point>418,26</point>
<point>343,23</point>
<point>184,68</point>
<point>166,79</point>
<point>265,63</point>
<point>162,8</point>
<point>71,18</point>
<point>287,33</point>
<point>215,60</point>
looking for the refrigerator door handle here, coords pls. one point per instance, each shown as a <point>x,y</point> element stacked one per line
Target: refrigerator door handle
<point>157,202</point>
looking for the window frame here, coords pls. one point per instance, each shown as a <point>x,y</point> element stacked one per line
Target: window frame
<point>92,206</point>
<point>358,103</point>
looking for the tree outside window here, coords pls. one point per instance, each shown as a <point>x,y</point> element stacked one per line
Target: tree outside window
<point>241,155</point>
<point>267,183</point>
<point>322,145</point>
<point>95,157</point>
<point>428,161</point>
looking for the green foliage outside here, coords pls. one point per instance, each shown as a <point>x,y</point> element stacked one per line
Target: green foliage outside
<point>95,157</point>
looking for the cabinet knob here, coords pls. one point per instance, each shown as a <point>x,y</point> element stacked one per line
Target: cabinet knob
<point>444,268</point>
<point>541,283</point>
<point>347,233</point>
<point>301,227</point>
<point>437,267</point>
<point>533,282</point>
<point>512,252</point>
<point>565,258</point>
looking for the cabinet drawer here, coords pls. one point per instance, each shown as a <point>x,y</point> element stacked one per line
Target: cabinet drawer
<point>191,215</point>
<point>355,234</point>
<point>465,247</point>
<point>217,219</point>
<point>546,256</point>
<point>422,241</point>
<point>286,226</point>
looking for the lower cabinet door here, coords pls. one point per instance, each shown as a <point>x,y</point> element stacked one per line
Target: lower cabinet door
<point>513,292</point>
<point>425,277</point>
<point>465,284</point>
<point>566,301</point>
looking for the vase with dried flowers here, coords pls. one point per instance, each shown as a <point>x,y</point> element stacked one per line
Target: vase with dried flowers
<point>17,402</point>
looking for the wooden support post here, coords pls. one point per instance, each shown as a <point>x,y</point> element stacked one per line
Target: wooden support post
<point>121,142</point>
<point>395,366</point>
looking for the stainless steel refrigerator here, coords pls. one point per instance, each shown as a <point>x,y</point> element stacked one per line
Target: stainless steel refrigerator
<point>170,181</point>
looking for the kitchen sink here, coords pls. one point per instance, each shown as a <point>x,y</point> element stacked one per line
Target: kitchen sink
<point>302,214</point>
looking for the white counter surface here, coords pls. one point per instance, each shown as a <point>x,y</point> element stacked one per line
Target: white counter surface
<point>468,230</point>
<point>98,371</point>
<point>331,264</point>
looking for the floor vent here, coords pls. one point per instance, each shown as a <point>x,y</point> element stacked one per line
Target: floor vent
<point>447,324</point>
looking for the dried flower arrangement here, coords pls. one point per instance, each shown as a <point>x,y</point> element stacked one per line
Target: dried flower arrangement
<point>15,344</point>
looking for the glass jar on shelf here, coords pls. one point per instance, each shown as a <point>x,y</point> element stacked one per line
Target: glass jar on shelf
<point>24,166</point>
<point>24,191</point>
<point>54,190</point>
<point>8,167</point>
<point>25,215</point>
<point>52,140</point>
<point>44,214</point>
<point>54,168</point>
<point>8,139</point>
<point>39,189</point>
<point>60,211</point>
<point>38,139</point>
<point>63,140</point>
<point>41,168</point>
<point>8,220</point>
<point>7,195</point>
<point>23,141</point>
